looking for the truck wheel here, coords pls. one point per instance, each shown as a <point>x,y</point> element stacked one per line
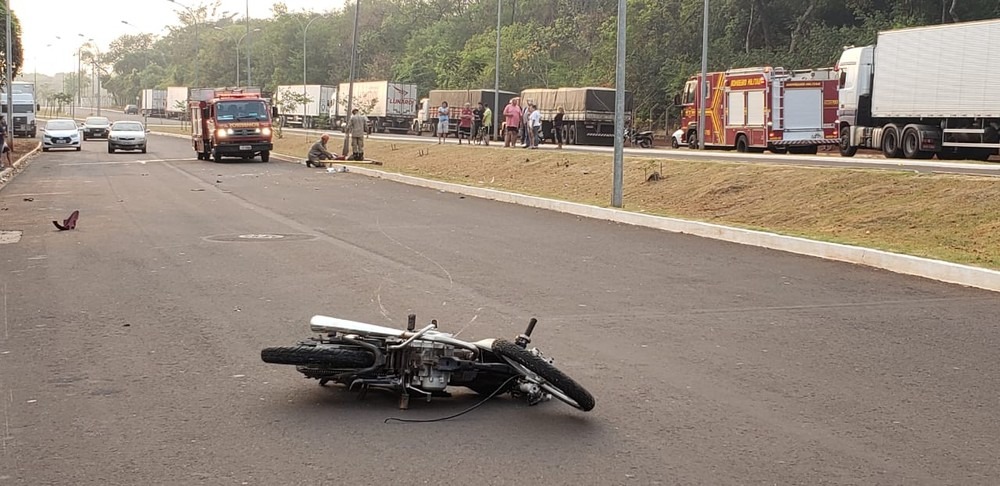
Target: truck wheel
<point>890,143</point>
<point>265,156</point>
<point>741,144</point>
<point>911,145</point>
<point>571,137</point>
<point>846,150</point>
<point>216,156</point>
<point>692,140</point>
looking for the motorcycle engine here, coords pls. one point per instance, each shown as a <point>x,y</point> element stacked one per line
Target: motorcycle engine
<point>423,359</point>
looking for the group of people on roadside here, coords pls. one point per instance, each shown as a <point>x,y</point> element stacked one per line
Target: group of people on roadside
<point>473,123</point>
<point>357,126</point>
<point>525,125</point>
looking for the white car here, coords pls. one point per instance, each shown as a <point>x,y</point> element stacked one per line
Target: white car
<point>127,135</point>
<point>60,133</point>
<point>677,139</point>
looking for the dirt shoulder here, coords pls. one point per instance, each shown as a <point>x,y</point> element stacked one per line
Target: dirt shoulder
<point>947,217</point>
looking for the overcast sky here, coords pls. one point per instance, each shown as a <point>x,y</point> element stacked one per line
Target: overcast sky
<point>43,20</point>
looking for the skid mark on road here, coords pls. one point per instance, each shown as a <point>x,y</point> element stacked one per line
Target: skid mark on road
<point>378,225</point>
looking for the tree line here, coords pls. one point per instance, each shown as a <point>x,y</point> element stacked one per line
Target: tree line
<point>450,44</point>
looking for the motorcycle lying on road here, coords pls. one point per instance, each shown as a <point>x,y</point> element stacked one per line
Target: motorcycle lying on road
<point>425,362</point>
<point>643,139</point>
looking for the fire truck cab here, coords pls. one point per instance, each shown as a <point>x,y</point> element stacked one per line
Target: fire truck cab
<point>763,108</point>
<point>230,123</point>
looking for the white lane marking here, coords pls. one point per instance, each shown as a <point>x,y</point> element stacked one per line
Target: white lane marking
<point>125,162</point>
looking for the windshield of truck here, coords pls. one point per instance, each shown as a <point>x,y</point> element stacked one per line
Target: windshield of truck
<point>19,108</point>
<point>241,110</point>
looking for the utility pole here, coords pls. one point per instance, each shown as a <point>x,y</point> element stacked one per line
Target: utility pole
<point>618,171</point>
<point>496,80</point>
<point>350,88</point>
<point>248,42</point>
<point>10,76</point>
<point>703,91</point>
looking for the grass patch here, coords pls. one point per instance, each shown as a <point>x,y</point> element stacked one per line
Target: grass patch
<point>947,217</point>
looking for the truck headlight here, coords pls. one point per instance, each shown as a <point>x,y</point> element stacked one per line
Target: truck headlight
<point>266,131</point>
<point>221,133</point>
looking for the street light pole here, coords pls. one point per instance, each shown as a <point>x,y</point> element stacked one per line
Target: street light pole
<point>304,94</point>
<point>618,170</point>
<point>703,92</point>
<point>350,88</point>
<point>496,81</point>
<point>10,75</point>
<point>248,47</point>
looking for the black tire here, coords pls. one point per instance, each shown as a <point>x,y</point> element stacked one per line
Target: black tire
<point>552,376</point>
<point>911,146</point>
<point>216,156</point>
<point>645,143</point>
<point>890,143</point>
<point>741,144</point>
<point>846,150</point>
<point>265,156</point>
<point>79,148</point>
<point>674,143</point>
<point>692,140</point>
<point>571,138</point>
<point>143,149</point>
<point>110,150</point>
<point>45,149</point>
<point>323,356</point>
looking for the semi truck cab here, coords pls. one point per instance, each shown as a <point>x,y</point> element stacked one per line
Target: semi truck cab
<point>854,88</point>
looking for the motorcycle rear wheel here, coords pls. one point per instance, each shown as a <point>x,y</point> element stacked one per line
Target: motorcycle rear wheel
<point>552,380</point>
<point>322,356</point>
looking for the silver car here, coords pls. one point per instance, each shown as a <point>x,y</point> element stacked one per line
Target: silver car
<point>60,133</point>
<point>127,135</point>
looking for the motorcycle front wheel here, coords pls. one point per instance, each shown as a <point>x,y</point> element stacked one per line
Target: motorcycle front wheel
<point>548,377</point>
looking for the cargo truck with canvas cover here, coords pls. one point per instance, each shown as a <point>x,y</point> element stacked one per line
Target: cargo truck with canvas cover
<point>763,108</point>
<point>389,106</point>
<point>321,103</point>
<point>589,113</point>
<point>427,115</point>
<point>230,123</point>
<point>922,92</point>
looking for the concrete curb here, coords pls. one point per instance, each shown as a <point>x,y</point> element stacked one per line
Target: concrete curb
<point>8,174</point>
<point>894,262</point>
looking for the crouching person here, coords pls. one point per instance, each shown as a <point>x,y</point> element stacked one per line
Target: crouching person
<point>319,152</point>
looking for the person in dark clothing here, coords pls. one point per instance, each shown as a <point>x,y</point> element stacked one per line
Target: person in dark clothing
<point>477,122</point>
<point>558,124</point>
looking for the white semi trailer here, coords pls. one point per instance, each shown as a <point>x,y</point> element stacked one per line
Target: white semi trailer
<point>922,92</point>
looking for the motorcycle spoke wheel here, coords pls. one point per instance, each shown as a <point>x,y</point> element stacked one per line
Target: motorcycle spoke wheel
<point>548,377</point>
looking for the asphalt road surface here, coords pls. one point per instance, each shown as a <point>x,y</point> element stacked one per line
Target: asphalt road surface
<point>864,160</point>
<point>130,347</point>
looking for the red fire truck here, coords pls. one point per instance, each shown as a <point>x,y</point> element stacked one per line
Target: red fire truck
<point>754,109</point>
<point>230,123</point>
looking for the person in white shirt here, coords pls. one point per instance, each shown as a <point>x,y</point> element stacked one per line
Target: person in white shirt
<point>535,119</point>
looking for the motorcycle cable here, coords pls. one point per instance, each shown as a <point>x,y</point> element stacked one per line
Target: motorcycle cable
<point>463,412</point>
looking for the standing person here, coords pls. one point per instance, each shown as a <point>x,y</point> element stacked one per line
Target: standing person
<point>535,122</point>
<point>3,132</point>
<point>487,125</point>
<point>357,127</point>
<point>526,126</point>
<point>558,124</point>
<point>465,124</point>
<point>319,152</point>
<point>477,123</point>
<point>442,122</point>
<point>512,119</point>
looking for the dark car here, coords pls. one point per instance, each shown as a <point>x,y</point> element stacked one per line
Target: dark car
<point>131,110</point>
<point>96,127</point>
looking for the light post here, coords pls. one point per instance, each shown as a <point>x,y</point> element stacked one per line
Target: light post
<point>305,30</point>
<point>618,169</point>
<point>350,87</point>
<point>703,92</point>
<point>79,73</point>
<point>238,42</point>
<point>248,47</point>
<point>197,47</point>
<point>9,76</point>
<point>496,81</point>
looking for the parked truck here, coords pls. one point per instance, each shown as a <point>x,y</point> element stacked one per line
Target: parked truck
<point>26,108</point>
<point>176,102</point>
<point>389,106</point>
<point>427,113</point>
<point>589,113</point>
<point>922,92</point>
<point>321,104</point>
<point>228,122</point>
<point>153,102</point>
<point>763,108</point>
